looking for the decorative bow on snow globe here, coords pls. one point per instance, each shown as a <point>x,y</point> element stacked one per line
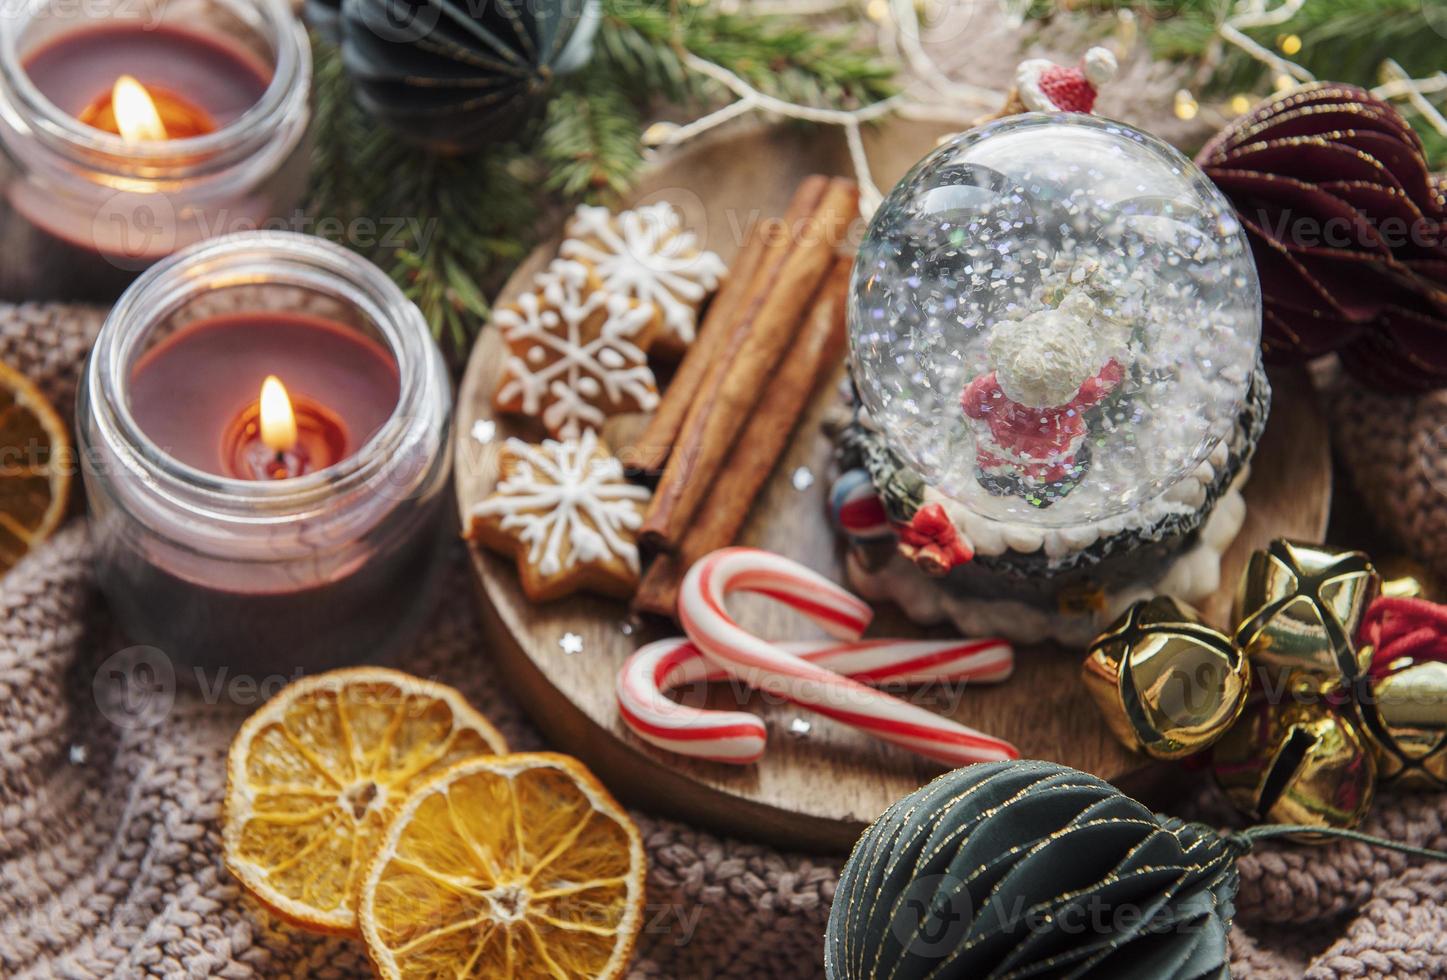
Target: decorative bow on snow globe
<point>1347,687</point>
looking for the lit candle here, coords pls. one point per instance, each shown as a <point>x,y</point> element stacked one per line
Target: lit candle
<point>266,483</point>
<point>273,442</point>
<point>226,370</point>
<point>137,114</point>
<point>127,138</point>
<point>277,422</point>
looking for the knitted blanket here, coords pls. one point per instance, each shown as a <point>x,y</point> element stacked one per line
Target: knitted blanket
<point>110,859</point>
<point>1395,448</point>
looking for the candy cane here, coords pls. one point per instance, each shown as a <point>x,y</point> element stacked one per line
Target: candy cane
<point>738,736</point>
<point>764,666</point>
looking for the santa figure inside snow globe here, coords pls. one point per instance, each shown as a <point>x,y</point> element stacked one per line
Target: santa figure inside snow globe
<point>1055,340</point>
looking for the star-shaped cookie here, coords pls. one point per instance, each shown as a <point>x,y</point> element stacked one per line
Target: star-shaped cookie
<point>568,516</point>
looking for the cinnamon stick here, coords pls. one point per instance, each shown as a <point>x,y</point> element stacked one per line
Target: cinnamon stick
<point>815,351</point>
<point>701,367</point>
<point>766,332</point>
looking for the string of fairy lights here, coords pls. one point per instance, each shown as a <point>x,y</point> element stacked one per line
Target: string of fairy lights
<point>931,94</point>
<point>1257,15</point>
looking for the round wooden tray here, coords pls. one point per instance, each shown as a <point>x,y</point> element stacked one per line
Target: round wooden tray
<point>816,789</point>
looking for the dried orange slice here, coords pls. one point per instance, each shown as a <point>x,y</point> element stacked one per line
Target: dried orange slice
<point>513,868</point>
<point>315,775</point>
<point>35,465</point>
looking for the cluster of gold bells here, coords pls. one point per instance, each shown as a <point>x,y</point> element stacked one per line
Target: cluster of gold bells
<point>1301,726</point>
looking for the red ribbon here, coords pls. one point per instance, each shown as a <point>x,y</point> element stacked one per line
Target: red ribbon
<point>933,538</point>
<point>1398,628</point>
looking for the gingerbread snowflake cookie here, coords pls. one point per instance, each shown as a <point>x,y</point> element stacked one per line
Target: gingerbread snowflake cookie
<point>646,254</point>
<point>577,353</point>
<point>567,515</point>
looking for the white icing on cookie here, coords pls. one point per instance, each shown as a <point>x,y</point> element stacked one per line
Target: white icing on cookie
<point>556,370</point>
<point>645,254</point>
<point>568,492</point>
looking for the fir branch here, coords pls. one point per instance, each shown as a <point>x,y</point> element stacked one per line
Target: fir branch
<point>590,143</point>
<point>337,118</point>
<point>462,223</point>
<point>639,44</point>
<point>441,226</point>
<point>478,223</point>
<point>779,56</point>
<point>790,60</point>
<point>1341,40</point>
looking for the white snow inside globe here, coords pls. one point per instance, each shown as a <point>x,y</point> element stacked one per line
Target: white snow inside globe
<point>1054,318</point>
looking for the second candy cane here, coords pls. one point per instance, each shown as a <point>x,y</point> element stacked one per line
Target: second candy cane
<point>739,737</point>
<point>765,666</point>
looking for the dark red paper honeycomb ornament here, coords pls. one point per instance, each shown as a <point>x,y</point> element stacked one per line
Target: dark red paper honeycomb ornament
<point>1349,230</point>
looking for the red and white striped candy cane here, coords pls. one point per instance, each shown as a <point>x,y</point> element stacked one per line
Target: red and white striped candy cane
<point>739,737</point>
<point>764,666</point>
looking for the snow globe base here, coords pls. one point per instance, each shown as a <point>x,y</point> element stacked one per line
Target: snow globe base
<point>1027,582</point>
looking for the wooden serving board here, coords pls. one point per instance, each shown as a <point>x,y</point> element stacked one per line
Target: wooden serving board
<point>813,790</point>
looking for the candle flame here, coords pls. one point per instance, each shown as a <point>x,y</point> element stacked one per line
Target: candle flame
<point>278,421</point>
<point>137,117</point>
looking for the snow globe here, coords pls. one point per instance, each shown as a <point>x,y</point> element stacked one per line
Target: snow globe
<point>1055,329</point>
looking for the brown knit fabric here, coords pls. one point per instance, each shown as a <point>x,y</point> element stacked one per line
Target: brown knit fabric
<point>109,847</point>
<point>1395,449</point>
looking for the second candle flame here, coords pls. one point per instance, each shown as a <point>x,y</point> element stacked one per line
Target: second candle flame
<point>137,117</point>
<point>278,421</point>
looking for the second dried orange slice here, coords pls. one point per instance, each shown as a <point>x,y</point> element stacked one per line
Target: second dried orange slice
<point>513,868</point>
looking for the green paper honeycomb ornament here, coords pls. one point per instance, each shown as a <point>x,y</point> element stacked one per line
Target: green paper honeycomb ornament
<point>1031,869</point>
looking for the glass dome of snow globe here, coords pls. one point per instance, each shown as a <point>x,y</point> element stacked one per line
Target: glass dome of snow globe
<point>1054,318</point>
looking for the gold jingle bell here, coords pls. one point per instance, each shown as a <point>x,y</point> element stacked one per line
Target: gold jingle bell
<point>1167,684</point>
<point>1406,578</point>
<point>1404,716</point>
<point>1298,763</point>
<point>1298,610</point>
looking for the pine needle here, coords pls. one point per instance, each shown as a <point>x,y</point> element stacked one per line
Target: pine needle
<point>591,142</point>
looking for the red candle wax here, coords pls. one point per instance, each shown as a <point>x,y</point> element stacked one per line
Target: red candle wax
<point>77,70</point>
<point>196,393</point>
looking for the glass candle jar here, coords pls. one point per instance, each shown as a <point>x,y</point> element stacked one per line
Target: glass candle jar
<point>84,208</point>
<point>317,567</point>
